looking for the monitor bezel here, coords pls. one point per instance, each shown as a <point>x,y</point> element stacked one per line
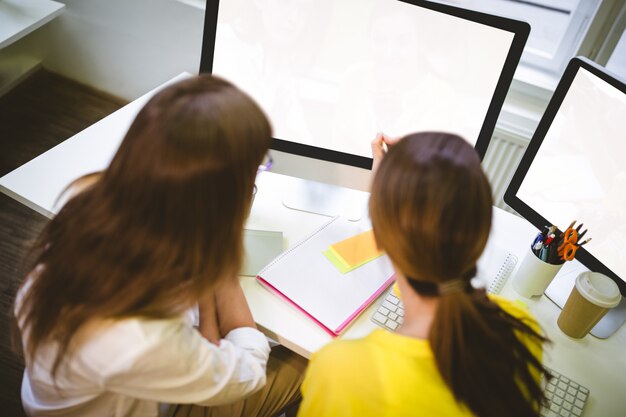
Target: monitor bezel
<point>510,195</point>
<point>520,32</point>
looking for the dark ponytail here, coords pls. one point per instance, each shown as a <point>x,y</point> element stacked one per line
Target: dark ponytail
<point>431,211</point>
<point>482,355</point>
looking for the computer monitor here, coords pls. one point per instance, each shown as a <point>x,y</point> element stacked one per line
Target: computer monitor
<point>575,166</point>
<point>331,74</point>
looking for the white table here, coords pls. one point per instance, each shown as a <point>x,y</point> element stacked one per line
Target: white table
<point>598,364</point>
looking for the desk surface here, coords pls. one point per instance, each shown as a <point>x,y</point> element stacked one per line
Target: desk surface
<point>597,364</point>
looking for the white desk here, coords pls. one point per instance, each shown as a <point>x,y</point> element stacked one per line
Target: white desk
<point>598,364</point>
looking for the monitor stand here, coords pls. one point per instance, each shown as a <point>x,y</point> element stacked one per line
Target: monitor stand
<point>562,285</point>
<point>327,200</point>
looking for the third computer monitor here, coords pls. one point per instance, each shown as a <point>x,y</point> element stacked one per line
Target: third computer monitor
<point>332,73</point>
<point>575,166</point>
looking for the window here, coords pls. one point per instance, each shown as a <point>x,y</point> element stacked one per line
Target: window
<point>198,4</point>
<point>610,49</point>
<point>617,61</point>
<point>557,26</point>
<point>560,30</point>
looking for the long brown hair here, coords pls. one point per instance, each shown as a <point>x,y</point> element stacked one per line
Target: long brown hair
<point>163,222</point>
<point>431,212</point>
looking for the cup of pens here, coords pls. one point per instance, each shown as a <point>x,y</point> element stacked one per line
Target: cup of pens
<point>546,255</point>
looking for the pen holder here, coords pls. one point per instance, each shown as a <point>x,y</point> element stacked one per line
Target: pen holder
<point>534,275</point>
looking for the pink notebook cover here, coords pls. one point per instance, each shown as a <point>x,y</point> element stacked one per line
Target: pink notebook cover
<point>350,318</point>
<point>305,278</point>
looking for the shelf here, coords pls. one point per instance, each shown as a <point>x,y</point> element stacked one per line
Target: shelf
<point>18,18</point>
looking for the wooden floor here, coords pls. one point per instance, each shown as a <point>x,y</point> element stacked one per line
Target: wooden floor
<point>42,112</point>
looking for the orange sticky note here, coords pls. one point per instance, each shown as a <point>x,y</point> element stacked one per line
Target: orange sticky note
<point>357,250</point>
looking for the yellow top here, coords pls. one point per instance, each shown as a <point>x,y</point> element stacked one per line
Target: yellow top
<point>383,374</point>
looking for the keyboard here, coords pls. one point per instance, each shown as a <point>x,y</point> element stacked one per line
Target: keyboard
<point>390,312</point>
<point>565,398</point>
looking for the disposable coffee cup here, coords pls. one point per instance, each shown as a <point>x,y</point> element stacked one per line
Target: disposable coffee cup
<point>592,296</point>
<point>534,275</point>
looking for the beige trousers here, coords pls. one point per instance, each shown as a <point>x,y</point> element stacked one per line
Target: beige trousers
<point>285,371</point>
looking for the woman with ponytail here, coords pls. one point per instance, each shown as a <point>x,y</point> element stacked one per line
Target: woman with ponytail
<point>458,352</point>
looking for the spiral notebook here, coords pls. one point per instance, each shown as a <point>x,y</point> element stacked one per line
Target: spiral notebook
<point>306,279</point>
<point>495,267</point>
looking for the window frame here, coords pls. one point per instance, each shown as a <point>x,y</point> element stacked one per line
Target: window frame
<point>577,28</point>
<point>605,46</point>
<point>532,87</point>
<point>544,61</point>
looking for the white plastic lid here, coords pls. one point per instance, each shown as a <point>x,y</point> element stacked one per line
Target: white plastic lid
<point>599,289</point>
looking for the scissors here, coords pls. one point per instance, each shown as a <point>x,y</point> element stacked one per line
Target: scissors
<point>567,249</point>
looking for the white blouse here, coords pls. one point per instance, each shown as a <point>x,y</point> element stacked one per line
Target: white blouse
<point>127,367</point>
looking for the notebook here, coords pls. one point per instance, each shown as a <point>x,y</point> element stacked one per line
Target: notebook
<point>306,279</point>
<point>494,268</point>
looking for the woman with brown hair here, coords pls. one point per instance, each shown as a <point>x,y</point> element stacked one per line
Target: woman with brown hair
<point>458,351</point>
<point>106,315</point>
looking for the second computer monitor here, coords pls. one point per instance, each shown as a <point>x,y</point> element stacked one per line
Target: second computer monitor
<point>330,74</point>
<point>575,166</point>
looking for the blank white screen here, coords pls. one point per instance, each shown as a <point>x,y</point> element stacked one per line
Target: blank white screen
<point>333,73</point>
<point>579,171</point>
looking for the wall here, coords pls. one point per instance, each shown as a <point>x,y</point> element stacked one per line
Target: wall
<point>123,47</point>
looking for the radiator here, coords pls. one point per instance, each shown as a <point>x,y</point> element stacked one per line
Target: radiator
<point>503,155</point>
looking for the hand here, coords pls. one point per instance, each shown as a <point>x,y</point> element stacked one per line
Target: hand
<point>379,148</point>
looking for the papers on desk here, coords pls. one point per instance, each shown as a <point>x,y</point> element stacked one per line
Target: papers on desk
<point>305,278</point>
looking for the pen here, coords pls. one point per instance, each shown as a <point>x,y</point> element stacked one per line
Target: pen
<point>580,244</point>
<point>549,255</point>
<point>544,255</point>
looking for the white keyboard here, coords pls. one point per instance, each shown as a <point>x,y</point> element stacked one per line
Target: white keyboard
<point>390,312</point>
<point>566,398</point>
